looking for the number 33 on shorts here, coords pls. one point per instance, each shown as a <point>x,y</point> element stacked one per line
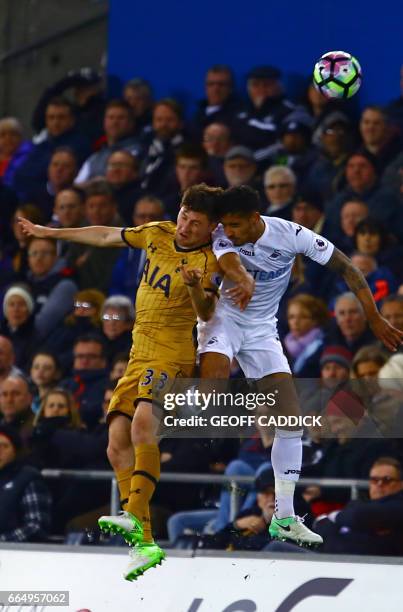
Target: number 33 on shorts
<point>151,377</point>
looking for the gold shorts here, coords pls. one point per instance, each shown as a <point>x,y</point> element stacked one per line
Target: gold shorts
<point>137,383</point>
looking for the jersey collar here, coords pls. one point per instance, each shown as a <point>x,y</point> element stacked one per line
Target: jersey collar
<point>266,230</point>
<point>183,250</point>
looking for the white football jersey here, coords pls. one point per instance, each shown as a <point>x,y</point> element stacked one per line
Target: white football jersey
<point>269,260</point>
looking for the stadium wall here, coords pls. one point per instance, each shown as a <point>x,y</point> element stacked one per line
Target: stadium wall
<point>206,581</point>
<point>172,43</point>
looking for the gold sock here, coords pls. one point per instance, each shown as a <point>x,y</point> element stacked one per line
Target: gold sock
<point>144,480</point>
<point>123,478</point>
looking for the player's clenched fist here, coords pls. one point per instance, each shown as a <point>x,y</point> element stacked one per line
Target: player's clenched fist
<point>191,276</point>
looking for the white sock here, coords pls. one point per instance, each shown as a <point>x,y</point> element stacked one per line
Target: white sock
<point>286,459</point>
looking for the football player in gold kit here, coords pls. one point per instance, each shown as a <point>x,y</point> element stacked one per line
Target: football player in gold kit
<point>177,281</point>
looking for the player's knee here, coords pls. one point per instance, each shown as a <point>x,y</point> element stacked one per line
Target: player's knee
<point>119,443</point>
<point>117,453</point>
<point>142,430</point>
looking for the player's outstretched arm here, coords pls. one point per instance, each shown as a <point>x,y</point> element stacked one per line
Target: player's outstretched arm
<point>203,303</point>
<point>384,331</point>
<point>232,268</point>
<point>96,235</point>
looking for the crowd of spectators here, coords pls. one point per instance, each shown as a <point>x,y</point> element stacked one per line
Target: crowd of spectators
<point>68,310</point>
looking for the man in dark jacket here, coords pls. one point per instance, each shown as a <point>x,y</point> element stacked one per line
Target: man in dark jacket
<point>350,328</point>
<point>61,132</point>
<point>15,407</point>
<point>220,104</point>
<point>89,378</point>
<point>257,124</point>
<point>369,527</point>
<point>25,503</point>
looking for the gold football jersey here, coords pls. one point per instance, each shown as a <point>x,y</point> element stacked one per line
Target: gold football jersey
<point>164,314</point>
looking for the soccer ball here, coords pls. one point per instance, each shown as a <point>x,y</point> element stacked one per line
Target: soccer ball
<point>337,75</point>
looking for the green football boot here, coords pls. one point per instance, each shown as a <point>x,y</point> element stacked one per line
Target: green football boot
<point>143,556</point>
<point>125,524</point>
<point>293,529</point>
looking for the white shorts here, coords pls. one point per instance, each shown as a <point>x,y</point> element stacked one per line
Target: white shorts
<point>257,351</point>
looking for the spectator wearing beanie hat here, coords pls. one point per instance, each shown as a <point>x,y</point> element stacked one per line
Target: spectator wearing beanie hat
<point>19,323</point>
<point>334,362</point>
<point>337,356</point>
<point>25,502</point>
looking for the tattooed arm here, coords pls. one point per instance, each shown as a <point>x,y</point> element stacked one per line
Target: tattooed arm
<point>389,335</point>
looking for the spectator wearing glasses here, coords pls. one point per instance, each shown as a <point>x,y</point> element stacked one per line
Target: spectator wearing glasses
<point>373,526</point>
<point>84,319</point>
<point>280,187</point>
<point>220,103</point>
<point>89,378</point>
<point>117,317</point>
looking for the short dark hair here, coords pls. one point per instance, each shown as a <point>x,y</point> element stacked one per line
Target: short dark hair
<point>242,200</point>
<point>392,461</point>
<point>172,104</point>
<point>61,101</point>
<point>119,103</point>
<point>133,158</point>
<point>224,68</point>
<point>369,353</point>
<point>140,84</point>
<point>203,199</point>
<point>372,226</point>
<point>191,150</point>
<point>393,297</point>
<point>99,187</point>
<point>377,109</point>
<point>84,338</point>
<point>67,151</point>
<point>79,192</point>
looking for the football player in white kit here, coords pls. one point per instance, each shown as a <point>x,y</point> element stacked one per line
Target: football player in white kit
<point>267,247</point>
